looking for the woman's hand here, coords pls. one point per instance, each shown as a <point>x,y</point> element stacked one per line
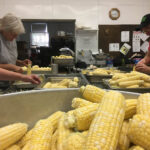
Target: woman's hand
<point>23,62</point>
<point>31,78</point>
<point>141,67</point>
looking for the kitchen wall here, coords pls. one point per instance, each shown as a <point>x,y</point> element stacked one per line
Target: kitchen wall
<point>87,12</point>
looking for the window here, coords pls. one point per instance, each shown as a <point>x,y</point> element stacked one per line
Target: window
<point>39,34</point>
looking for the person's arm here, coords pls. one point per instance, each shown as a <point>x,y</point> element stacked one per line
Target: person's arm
<point>11,67</point>
<point>12,76</point>
<point>23,62</point>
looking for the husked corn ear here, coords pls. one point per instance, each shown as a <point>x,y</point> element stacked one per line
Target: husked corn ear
<point>131,78</point>
<point>81,118</point>
<point>144,76</point>
<point>146,84</point>
<point>143,104</point>
<point>29,69</point>
<point>47,85</point>
<point>73,84</point>
<point>69,120</point>
<point>118,76</point>
<point>54,141</point>
<point>85,133</point>
<point>130,108</point>
<point>27,146</point>
<point>41,136</point>
<point>79,102</point>
<point>139,131</point>
<point>63,132</point>
<point>64,82</point>
<point>75,141</point>
<point>84,116</point>
<point>136,148</point>
<point>123,143</point>
<point>131,83</point>
<point>106,125</point>
<point>14,147</point>
<point>76,79</point>
<point>133,86</point>
<point>92,93</point>
<point>54,119</point>
<point>11,134</point>
<point>26,138</point>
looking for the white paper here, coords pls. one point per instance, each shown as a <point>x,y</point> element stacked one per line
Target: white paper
<point>136,46</point>
<point>125,36</point>
<point>125,48</point>
<point>144,46</point>
<point>113,47</point>
<point>144,37</point>
<point>136,36</point>
<point>136,41</point>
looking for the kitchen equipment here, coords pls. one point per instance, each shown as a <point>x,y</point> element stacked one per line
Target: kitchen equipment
<point>138,90</point>
<point>100,58</point>
<point>97,78</point>
<point>61,33</point>
<point>54,68</point>
<point>31,106</point>
<point>63,62</point>
<point>54,78</point>
<point>64,51</point>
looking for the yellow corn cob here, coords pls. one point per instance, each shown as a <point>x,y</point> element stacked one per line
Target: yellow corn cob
<point>11,134</point>
<point>41,136</point>
<point>145,84</point>
<point>25,139</point>
<point>81,118</point>
<point>72,84</point>
<point>143,104</point>
<point>63,132</point>
<point>106,125</point>
<point>139,131</point>
<point>79,102</point>
<point>126,79</point>
<point>54,141</point>
<point>130,83</point>
<point>14,147</point>
<point>118,76</point>
<point>76,79</point>
<point>43,131</point>
<point>85,133</point>
<point>29,69</point>
<point>144,76</point>
<point>27,146</point>
<point>75,141</point>
<point>64,82</point>
<point>130,108</point>
<point>47,85</point>
<point>54,119</point>
<point>112,82</point>
<point>123,143</point>
<point>92,93</point>
<point>136,148</point>
<point>133,86</point>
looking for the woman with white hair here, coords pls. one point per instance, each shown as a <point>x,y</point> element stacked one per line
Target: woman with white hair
<point>10,27</point>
